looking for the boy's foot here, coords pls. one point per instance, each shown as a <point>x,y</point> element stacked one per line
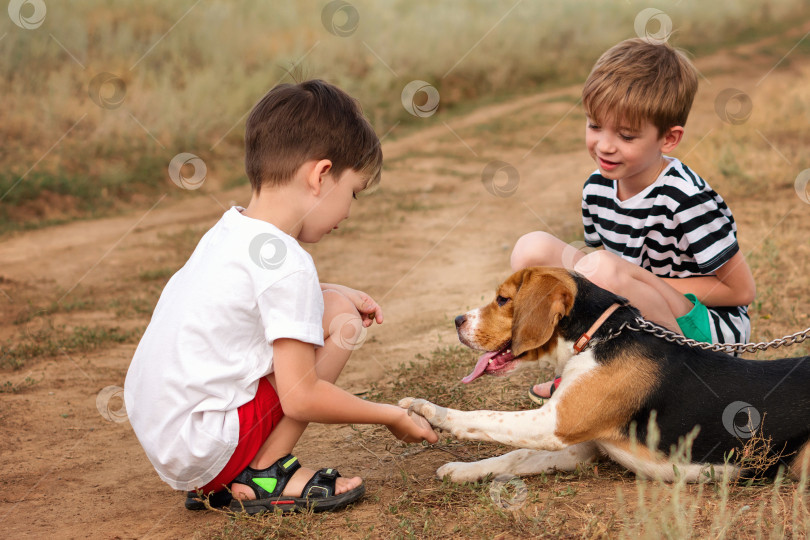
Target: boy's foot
<point>289,487</point>
<point>540,393</point>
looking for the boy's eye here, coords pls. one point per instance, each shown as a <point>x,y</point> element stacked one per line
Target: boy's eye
<point>627,137</point>
<point>501,300</point>
<point>592,126</point>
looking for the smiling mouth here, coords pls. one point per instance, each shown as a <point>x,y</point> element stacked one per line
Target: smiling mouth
<point>608,164</point>
<point>498,362</point>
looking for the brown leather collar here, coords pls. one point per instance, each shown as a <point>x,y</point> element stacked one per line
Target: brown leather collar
<point>583,340</point>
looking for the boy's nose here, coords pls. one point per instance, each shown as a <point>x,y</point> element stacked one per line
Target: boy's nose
<point>605,145</point>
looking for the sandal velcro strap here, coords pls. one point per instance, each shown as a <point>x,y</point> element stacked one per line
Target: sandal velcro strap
<point>269,482</point>
<point>329,474</point>
<point>321,485</point>
<point>554,385</point>
<point>289,463</point>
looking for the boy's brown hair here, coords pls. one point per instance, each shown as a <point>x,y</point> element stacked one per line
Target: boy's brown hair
<point>311,120</point>
<point>637,81</point>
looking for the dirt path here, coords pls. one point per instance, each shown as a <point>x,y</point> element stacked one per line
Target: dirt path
<point>430,244</point>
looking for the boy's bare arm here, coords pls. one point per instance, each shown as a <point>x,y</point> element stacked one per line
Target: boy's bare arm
<point>732,284</point>
<point>307,398</point>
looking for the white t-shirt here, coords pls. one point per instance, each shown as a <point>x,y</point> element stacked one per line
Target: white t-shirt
<point>210,341</point>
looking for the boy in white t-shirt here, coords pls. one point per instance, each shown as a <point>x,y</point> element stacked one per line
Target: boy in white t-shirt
<point>245,343</point>
<point>670,241</point>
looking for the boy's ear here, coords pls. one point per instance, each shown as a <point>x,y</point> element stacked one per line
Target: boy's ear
<point>317,173</point>
<point>671,139</point>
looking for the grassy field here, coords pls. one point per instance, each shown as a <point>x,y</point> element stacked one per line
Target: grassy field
<point>101,96</point>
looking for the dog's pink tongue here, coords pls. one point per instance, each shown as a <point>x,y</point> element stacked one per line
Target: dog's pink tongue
<point>480,367</point>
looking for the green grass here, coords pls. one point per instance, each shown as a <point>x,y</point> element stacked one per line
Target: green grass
<point>30,199</point>
<point>190,75</point>
<point>157,274</point>
<point>50,342</point>
<point>11,388</point>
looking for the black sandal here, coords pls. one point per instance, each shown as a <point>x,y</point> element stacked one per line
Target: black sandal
<point>268,484</point>
<point>218,499</point>
<point>541,400</point>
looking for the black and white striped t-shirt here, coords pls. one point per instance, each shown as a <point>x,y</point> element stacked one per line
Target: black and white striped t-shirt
<point>677,227</point>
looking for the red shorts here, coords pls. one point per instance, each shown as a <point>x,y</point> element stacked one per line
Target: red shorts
<point>257,418</point>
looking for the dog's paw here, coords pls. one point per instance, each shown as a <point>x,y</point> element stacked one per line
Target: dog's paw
<point>405,403</point>
<point>458,471</point>
<point>432,413</point>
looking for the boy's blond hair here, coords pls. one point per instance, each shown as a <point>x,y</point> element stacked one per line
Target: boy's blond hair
<point>638,81</point>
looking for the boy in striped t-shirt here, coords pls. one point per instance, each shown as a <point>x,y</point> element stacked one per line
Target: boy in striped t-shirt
<point>670,242</point>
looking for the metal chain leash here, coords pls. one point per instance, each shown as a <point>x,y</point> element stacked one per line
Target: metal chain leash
<point>674,337</point>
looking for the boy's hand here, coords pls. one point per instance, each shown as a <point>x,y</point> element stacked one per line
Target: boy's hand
<point>368,308</point>
<point>412,428</point>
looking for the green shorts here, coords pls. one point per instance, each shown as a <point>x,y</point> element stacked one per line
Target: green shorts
<point>695,324</point>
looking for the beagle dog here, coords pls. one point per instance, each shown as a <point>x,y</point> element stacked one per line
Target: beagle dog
<point>631,395</point>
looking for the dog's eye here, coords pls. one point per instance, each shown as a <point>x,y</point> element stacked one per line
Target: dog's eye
<point>501,300</point>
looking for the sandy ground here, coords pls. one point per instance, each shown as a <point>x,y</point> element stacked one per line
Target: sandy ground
<point>430,244</point>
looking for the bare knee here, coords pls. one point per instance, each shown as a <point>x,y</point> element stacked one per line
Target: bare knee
<point>536,248</point>
<point>602,268</point>
<point>341,320</point>
<point>337,306</point>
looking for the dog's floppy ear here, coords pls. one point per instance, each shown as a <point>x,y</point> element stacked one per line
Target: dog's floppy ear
<point>539,304</point>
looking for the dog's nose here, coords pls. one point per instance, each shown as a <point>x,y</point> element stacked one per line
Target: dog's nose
<point>460,320</point>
